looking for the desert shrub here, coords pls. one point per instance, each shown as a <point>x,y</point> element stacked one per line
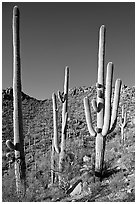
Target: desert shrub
<point>9,187</point>
<point>116,182</point>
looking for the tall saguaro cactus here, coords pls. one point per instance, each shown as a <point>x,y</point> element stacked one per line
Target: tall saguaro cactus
<point>18,146</point>
<point>106,119</point>
<point>64,100</point>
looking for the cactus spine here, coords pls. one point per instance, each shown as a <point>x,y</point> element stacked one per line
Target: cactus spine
<point>64,100</point>
<point>18,146</point>
<point>123,123</point>
<point>106,120</point>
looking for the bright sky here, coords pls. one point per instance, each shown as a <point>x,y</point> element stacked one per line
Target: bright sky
<point>55,35</point>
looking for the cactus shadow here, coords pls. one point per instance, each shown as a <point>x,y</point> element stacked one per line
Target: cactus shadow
<point>109,172</point>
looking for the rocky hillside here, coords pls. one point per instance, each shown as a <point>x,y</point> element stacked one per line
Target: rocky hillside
<point>117,185</point>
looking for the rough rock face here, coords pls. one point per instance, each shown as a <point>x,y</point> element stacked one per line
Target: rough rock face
<point>7,94</point>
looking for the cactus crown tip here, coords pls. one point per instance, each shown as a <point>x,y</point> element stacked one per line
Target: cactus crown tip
<point>85,98</point>
<point>16,11</point>
<point>119,80</point>
<point>102,27</point>
<point>110,62</point>
<point>67,68</point>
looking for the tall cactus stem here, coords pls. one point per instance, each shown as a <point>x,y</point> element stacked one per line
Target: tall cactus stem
<point>20,166</point>
<point>101,55</point>
<point>64,122</point>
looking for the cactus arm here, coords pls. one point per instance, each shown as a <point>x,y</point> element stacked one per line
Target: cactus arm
<point>101,54</point>
<point>88,117</point>
<point>65,104</point>
<point>108,93</point>
<point>115,105</point>
<point>122,112</point>
<point>124,117</point>
<point>66,81</point>
<point>55,119</point>
<point>94,105</point>
<point>60,97</point>
<point>65,123</point>
<point>10,145</point>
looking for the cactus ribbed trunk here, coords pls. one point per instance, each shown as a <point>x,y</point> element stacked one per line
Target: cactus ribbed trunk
<point>20,166</point>
<point>100,152</point>
<point>52,163</point>
<point>100,102</point>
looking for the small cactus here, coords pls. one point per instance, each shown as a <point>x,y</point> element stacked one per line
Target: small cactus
<point>123,123</point>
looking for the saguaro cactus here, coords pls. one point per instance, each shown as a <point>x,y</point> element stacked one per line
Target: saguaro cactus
<point>64,100</point>
<point>18,145</point>
<point>55,143</point>
<point>123,123</point>
<point>106,120</point>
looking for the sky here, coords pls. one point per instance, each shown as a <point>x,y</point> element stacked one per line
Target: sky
<point>54,35</point>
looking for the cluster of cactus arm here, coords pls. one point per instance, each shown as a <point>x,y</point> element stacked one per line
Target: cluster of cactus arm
<point>106,116</point>
<point>63,98</point>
